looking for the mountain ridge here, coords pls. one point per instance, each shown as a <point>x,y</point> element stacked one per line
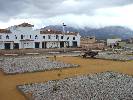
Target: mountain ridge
<point>100,33</point>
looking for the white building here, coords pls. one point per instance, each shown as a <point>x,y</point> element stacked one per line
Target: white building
<point>112,42</point>
<point>24,36</point>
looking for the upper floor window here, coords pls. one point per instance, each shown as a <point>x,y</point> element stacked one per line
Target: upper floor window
<point>49,37</point>
<point>7,37</point>
<point>57,36</point>
<point>15,37</point>
<point>61,37</point>
<point>22,36</point>
<point>0,36</point>
<point>30,36</point>
<point>36,37</point>
<point>43,37</point>
<point>67,38</point>
<point>73,38</point>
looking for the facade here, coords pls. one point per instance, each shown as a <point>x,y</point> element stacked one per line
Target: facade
<point>91,43</point>
<point>23,36</point>
<point>113,42</point>
<point>126,45</point>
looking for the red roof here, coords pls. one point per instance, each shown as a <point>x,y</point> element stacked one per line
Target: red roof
<point>5,31</point>
<point>50,32</point>
<point>25,25</point>
<point>56,32</point>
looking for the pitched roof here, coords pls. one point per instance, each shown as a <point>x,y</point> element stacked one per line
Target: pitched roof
<point>72,33</point>
<point>25,25</point>
<point>5,31</point>
<point>56,32</point>
<point>50,32</point>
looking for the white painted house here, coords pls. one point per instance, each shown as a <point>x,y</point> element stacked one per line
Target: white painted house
<point>24,36</point>
<point>112,42</point>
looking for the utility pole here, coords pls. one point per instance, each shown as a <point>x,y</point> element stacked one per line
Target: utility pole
<point>63,26</point>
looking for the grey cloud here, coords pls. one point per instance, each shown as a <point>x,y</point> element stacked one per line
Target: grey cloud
<point>9,8</point>
<point>50,8</point>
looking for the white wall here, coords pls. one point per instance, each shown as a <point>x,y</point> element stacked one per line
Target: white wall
<point>112,41</point>
<point>29,38</point>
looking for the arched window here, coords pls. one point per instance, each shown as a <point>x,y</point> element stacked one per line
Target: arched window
<point>73,38</point>
<point>22,36</point>
<point>36,37</point>
<point>49,36</point>
<point>61,37</point>
<point>7,37</point>
<point>15,37</point>
<point>43,37</point>
<point>57,37</point>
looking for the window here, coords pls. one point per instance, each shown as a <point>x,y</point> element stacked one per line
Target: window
<point>61,37</point>
<point>7,37</point>
<point>43,37</point>
<point>22,36</point>
<point>30,36</point>
<point>15,37</point>
<point>36,37</point>
<point>0,36</point>
<point>49,37</point>
<point>73,38</point>
<point>57,36</point>
<point>67,38</point>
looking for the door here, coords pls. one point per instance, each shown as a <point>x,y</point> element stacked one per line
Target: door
<point>61,44</point>
<point>37,44</point>
<point>7,45</point>
<point>16,45</point>
<point>44,45</point>
<point>74,44</point>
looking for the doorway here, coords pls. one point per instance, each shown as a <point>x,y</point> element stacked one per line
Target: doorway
<point>44,45</point>
<point>61,44</point>
<point>16,45</point>
<point>74,44</point>
<point>37,44</point>
<point>7,45</point>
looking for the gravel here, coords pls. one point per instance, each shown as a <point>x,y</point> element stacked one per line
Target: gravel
<point>99,86</point>
<point>111,56</point>
<point>16,65</point>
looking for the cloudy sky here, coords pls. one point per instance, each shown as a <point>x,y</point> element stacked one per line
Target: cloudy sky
<point>78,13</point>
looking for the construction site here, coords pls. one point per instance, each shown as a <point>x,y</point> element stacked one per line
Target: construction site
<point>57,74</point>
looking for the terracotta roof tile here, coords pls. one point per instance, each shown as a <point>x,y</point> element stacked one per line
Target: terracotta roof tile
<point>57,32</point>
<point>5,31</point>
<point>25,25</point>
<point>50,32</point>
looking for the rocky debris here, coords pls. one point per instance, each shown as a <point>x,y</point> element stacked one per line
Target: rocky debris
<point>14,65</point>
<point>111,56</point>
<point>100,86</point>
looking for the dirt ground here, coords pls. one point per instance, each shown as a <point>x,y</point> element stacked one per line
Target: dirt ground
<point>8,83</point>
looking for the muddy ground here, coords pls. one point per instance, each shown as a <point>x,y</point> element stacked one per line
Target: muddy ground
<point>8,83</point>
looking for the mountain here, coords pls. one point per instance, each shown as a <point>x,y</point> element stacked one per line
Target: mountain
<point>100,33</point>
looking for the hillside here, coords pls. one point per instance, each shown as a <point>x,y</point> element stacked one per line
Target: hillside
<point>100,33</point>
